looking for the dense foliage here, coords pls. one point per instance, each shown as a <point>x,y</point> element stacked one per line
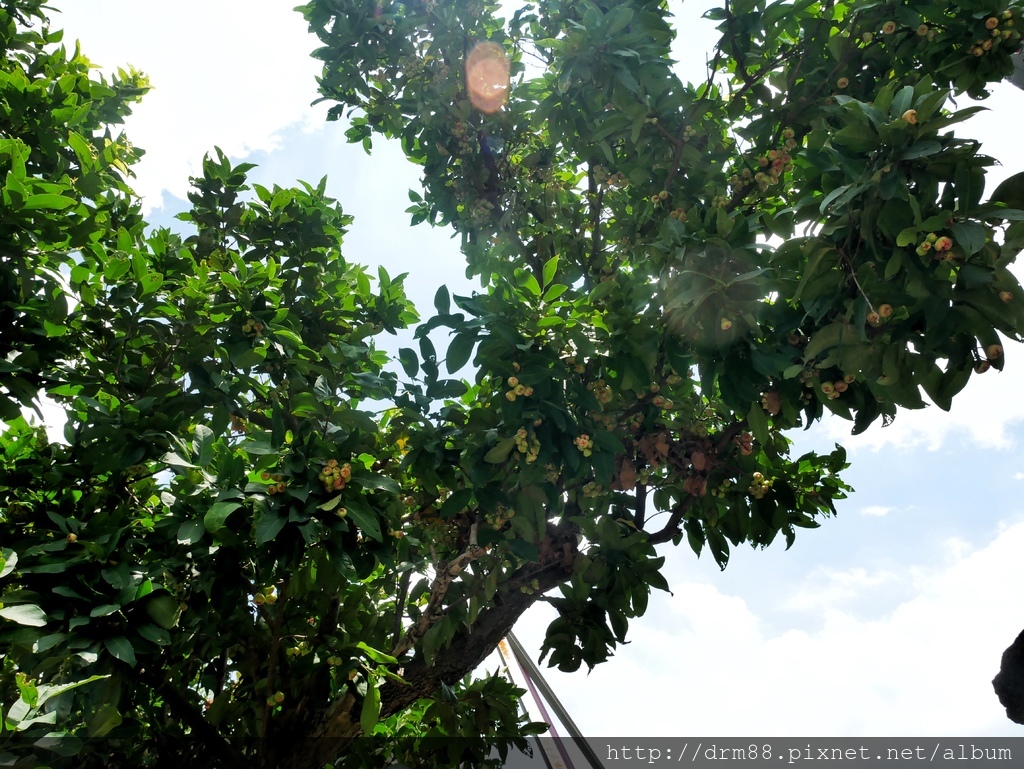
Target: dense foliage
<point>260,540</point>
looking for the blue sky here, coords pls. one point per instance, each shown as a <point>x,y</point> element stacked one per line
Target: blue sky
<point>888,620</point>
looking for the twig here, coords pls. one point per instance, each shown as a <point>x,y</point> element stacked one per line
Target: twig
<point>446,574</point>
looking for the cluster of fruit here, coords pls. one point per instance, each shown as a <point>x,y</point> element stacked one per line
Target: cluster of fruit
<point>528,444</point>
<point>267,595</point>
<point>577,367</point>
<point>461,134</point>
<point>923,30</point>
<point>875,318</point>
<point>689,132</point>
<point>834,389</point>
<point>252,326</point>
<point>992,352</point>
<point>996,35</point>
<point>301,649</point>
<point>482,211</point>
<point>277,485</point>
<point>497,518</point>
<point>659,197</point>
<point>618,179</point>
<point>601,391</point>
<point>721,489</point>
<point>940,245</point>
<point>584,444</point>
<point>745,443</point>
<point>772,164</point>
<point>772,402</point>
<point>759,486</point>
<point>662,402</point>
<point>677,213</point>
<point>532,587</point>
<point>334,476</point>
<point>516,389</point>
<point>275,699</point>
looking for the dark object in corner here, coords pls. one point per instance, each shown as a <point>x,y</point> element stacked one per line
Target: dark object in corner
<point>1009,683</point>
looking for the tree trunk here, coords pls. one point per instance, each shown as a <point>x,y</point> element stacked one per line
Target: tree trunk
<point>339,726</point>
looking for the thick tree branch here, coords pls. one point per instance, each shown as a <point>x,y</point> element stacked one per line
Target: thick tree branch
<point>446,574</point>
<point>222,754</point>
<point>332,735</point>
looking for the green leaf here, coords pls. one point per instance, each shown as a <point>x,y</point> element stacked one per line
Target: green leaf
<point>1010,192</point>
<point>175,460</point>
<point>825,339</point>
<point>410,363</point>
<point>365,518</point>
<point>55,202</point>
<point>442,301</point>
<point>121,648</point>
<point>375,655</point>
<point>24,614</point>
<point>8,560</point>
<point>907,237</point>
<point>217,515</point>
<point>330,504</point>
<point>858,137</point>
<point>103,719</point>
<point>47,692</point>
<point>269,526</point>
<point>371,707</point>
<point>164,611</point>
<point>61,743</point>
<point>554,291</point>
<point>528,281</point>
<point>550,270</point>
<point>381,482</point>
<point>758,421</point>
<point>500,452</point>
<point>288,335</point>
<point>456,502</point>
<point>969,236</point>
<point>459,351</point>
<point>191,532</point>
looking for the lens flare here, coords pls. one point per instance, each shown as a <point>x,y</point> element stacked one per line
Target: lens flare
<point>487,77</point>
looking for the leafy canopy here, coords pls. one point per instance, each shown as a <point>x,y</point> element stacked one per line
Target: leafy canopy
<point>261,539</point>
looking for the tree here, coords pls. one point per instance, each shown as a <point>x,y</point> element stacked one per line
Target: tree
<point>261,540</point>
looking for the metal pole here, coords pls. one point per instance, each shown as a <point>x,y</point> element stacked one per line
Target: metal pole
<point>533,672</point>
<point>550,761</point>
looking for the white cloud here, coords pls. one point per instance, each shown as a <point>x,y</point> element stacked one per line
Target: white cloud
<point>825,589</point>
<point>703,663</point>
<point>876,511</point>
<point>224,74</point>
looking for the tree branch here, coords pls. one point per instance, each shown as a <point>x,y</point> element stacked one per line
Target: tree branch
<point>189,715</point>
<point>336,731</point>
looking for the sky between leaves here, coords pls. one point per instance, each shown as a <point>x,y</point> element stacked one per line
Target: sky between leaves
<point>889,620</point>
